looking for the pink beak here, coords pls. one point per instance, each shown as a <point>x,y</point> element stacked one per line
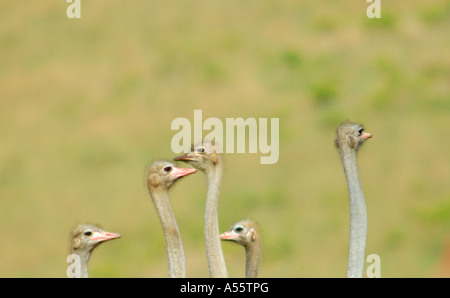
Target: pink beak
<point>106,236</point>
<point>366,135</point>
<point>181,172</point>
<point>185,157</point>
<point>226,236</point>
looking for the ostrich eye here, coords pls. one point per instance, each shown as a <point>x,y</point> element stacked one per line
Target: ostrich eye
<point>167,169</point>
<point>360,131</point>
<point>87,233</point>
<point>239,229</point>
<point>201,150</point>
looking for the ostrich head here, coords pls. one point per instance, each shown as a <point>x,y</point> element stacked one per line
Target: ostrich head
<point>86,237</point>
<point>243,232</point>
<point>164,174</point>
<point>202,156</point>
<point>351,135</point>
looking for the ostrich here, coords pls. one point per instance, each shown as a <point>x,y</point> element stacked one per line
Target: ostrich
<point>161,175</point>
<point>84,239</point>
<point>246,233</point>
<point>206,158</point>
<point>350,137</point>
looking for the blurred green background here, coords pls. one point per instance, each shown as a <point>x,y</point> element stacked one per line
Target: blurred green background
<point>86,104</point>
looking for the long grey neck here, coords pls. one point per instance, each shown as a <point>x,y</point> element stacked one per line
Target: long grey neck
<point>174,245</point>
<point>84,261</point>
<point>214,253</point>
<point>252,256</point>
<point>358,214</point>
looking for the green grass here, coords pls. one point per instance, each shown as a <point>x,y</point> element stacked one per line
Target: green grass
<point>86,105</point>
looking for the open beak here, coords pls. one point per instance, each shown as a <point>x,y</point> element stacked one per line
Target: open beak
<point>105,236</point>
<point>187,157</point>
<point>181,172</point>
<point>366,135</point>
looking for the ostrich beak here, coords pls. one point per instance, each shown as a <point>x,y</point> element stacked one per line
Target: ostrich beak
<point>181,172</point>
<point>187,157</point>
<point>226,236</point>
<point>366,135</point>
<point>103,236</point>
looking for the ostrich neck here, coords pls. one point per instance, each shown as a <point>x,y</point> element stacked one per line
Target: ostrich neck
<point>214,253</point>
<point>358,214</point>
<point>174,245</point>
<point>252,256</point>
<point>84,261</point>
